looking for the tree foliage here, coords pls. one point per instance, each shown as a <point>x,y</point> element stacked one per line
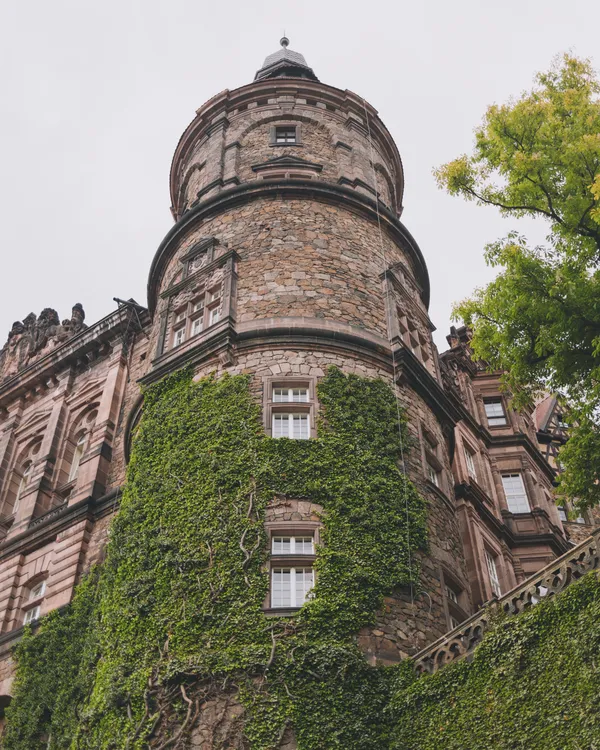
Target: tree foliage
<point>539,320</point>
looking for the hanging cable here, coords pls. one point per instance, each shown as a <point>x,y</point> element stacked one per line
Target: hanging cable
<point>387,311</point>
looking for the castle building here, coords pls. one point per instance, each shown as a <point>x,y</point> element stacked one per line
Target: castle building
<point>287,255</point>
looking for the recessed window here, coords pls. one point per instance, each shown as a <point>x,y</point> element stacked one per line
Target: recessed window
<point>454,623</point>
<point>290,586</point>
<point>470,461</point>
<point>37,591</point>
<point>31,615</point>
<point>285,134</point>
<point>292,545</point>
<point>493,574</point>
<point>451,594</point>
<point>494,411</point>
<point>291,425</point>
<point>514,490</point>
<point>562,513</point>
<point>77,455</point>
<point>215,316</point>
<point>290,395</point>
<point>24,481</point>
<point>433,474</point>
<point>179,336</point>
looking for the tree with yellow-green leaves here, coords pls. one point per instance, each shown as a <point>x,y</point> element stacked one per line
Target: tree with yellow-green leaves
<point>539,320</point>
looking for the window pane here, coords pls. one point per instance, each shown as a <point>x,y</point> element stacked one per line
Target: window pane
<point>199,305</point>
<point>470,463</point>
<point>179,337</point>
<point>280,395</point>
<point>493,573</point>
<point>282,545</point>
<point>300,426</point>
<point>432,475</point>
<point>304,545</point>
<point>281,595</point>
<point>451,594</point>
<point>38,590</point>
<point>516,497</point>
<point>32,615</point>
<point>494,411</point>
<point>280,425</point>
<point>304,583</point>
<point>215,315</point>
<point>197,326</point>
<point>299,394</point>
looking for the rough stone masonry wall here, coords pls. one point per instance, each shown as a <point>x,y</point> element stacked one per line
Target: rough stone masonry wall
<point>336,137</point>
<point>299,258</point>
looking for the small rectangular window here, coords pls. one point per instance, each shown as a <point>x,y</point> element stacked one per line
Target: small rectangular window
<point>285,134</point>
<point>291,425</point>
<point>293,545</point>
<point>37,591</point>
<point>470,461</point>
<point>180,316</point>
<point>562,514</point>
<point>290,395</point>
<point>290,586</point>
<point>31,615</point>
<point>198,305</point>
<point>493,574</point>
<point>197,325</point>
<point>433,475</point>
<point>215,315</point>
<point>514,491</point>
<point>494,411</point>
<point>451,594</point>
<point>179,337</point>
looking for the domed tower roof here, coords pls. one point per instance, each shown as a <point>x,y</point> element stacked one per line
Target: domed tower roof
<point>285,63</point>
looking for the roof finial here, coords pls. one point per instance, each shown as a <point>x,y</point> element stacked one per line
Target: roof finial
<point>284,41</point>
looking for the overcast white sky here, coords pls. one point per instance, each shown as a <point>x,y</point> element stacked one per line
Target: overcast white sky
<point>94,97</point>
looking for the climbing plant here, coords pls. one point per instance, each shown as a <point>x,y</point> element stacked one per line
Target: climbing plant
<point>175,620</point>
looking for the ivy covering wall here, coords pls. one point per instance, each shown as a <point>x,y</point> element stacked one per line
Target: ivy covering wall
<point>173,624</point>
<point>533,684</point>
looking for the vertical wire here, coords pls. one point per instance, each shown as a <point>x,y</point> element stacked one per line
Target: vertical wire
<point>387,293</point>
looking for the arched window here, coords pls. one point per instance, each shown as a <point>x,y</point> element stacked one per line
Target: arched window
<point>80,447</point>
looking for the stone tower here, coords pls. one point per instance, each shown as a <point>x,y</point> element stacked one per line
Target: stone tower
<point>288,255</point>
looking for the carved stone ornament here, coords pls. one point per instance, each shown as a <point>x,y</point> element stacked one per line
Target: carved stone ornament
<point>35,336</point>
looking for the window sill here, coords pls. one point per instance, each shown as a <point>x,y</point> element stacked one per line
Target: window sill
<point>276,145</point>
<point>281,611</point>
<point>292,558</point>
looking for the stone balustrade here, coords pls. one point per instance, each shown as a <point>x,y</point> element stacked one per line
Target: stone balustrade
<point>562,572</point>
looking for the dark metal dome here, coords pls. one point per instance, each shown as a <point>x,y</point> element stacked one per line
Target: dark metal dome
<point>285,63</point>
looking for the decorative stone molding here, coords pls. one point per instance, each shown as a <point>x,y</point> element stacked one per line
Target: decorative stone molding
<point>551,580</point>
<point>34,336</point>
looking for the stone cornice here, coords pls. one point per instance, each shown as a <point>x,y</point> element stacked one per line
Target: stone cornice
<point>302,189</point>
<point>341,102</point>
<point>44,529</point>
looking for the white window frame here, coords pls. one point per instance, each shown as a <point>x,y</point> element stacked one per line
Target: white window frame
<point>451,594</point>
<point>496,414</point>
<point>214,316</point>
<point>295,601</point>
<point>516,501</point>
<point>470,461</point>
<point>303,416</point>
<point>433,475</point>
<point>493,573</point>
<point>288,395</point>
<point>293,544</point>
<point>34,593</point>
<point>32,615</point>
<point>177,338</point>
